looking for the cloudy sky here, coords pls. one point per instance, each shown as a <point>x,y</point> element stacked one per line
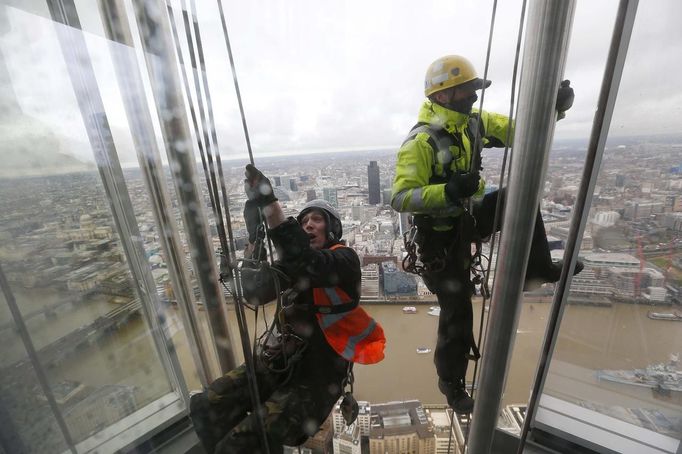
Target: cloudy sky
<point>347,75</point>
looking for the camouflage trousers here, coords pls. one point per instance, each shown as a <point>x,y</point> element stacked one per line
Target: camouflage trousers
<point>225,422</point>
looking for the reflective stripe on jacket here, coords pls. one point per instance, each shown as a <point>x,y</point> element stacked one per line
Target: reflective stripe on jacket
<point>353,334</point>
<point>414,189</point>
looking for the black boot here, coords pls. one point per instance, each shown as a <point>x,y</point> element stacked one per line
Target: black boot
<point>458,398</point>
<point>551,274</point>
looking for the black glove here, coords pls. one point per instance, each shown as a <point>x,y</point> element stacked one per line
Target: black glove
<point>258,188</point>
<point>252,220</point>
<point>462,185</point>
<point>564,98</point>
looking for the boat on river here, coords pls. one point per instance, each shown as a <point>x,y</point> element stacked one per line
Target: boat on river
<point>671,316</point>
<point>423,350</point>
<point>434,310</point>
<point>663,377</point>
<point>409,310</point>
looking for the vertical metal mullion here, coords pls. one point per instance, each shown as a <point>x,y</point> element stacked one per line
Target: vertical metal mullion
<point>620,40</point>
<point>158,47</point>
<point>84,82</point>
<point>544,58</point>
<point>140,122</point>
<point>35,361</point>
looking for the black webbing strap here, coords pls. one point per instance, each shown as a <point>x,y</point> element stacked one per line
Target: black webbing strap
<point>337,308</point>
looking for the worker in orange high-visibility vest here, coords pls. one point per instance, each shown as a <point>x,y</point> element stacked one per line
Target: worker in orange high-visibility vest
<point>305,362</point>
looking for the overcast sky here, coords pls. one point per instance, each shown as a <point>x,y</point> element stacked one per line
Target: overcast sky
<point>347,75</point>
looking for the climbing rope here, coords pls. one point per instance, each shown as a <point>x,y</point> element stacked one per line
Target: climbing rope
<point>503,171</point>
<point>210,146</point>
<point>485,287</point>
<point>481,273</point>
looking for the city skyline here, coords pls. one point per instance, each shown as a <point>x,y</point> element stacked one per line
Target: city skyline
<point>59,239</point>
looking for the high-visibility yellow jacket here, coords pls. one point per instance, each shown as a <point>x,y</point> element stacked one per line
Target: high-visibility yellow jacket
<point>421,172</point>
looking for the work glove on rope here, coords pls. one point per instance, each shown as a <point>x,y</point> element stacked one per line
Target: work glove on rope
<point>252,220</point>
<point>564,99</point>
<point>462,185</point>
<point>257,187</point>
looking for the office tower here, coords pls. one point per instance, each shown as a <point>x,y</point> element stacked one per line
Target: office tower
<point>286,182</point>
<point>386,196</point>
<point>310,194</point>
<point>348,441</point>
<point>373,183</point>
<point>331,196</point>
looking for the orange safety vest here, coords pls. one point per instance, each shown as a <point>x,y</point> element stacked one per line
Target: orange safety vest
<point>353,334</point>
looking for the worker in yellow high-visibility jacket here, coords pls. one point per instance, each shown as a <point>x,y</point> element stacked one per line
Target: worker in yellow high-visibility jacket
<point>437,172</point>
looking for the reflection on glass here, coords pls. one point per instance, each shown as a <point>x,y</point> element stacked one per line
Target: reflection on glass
<point>618,348</point>
<point>68,276</point>
<point>64,261</point>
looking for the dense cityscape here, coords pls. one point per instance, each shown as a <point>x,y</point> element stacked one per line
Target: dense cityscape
<point>58,239</point>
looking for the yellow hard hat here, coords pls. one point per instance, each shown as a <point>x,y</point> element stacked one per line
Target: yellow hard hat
<point>451,71</point>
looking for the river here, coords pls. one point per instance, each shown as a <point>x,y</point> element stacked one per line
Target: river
<point>617,337</point>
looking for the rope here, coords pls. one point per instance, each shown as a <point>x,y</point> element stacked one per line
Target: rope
<point>208,169</point>
<point>475,150</point>
<point>212,181</point>
<point>483,327</point>
<point>498,206</point>
<point>236,82</point>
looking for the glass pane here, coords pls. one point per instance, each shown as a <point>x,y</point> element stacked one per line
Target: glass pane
<point>62,250</point>
<point>616,361</point>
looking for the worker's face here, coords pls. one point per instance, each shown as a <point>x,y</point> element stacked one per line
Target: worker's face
<point>315,225</point>
<point>462,100</point>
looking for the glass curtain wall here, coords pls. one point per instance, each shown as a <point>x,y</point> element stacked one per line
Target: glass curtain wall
<point>95,353</point>
<point>614,383</point>
<point>107,324</point>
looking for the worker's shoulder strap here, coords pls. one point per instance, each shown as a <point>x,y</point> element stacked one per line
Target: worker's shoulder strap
<point>336,246</point>
<point>475,131</point>
<point>439,138</point>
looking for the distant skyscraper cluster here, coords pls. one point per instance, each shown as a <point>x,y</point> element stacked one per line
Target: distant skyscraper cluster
<point>374,187</point>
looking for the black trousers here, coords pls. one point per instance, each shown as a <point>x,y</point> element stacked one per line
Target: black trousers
<point>450,280</point>
<point>225,422</point>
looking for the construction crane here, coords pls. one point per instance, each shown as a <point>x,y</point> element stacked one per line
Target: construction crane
<point>638,276</point>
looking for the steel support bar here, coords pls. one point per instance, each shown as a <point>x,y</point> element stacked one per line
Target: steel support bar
<point>84,82</point>
<point>620,40</point>
<point>543,61</point>
<point>157,43</point>
<point>130,83</point>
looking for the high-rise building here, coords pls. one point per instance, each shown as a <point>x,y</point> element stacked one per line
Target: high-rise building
<point>398,427</point>
<point>363,420</point>
<point>386,196</point>
<point>373,185</point>
<point>331,196</point>
<point>288,182</point>
<point>370,281</point>
<point>310,194</point>
<point>449,436</point>
<point>348,440</point>
<point>396,282</point>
